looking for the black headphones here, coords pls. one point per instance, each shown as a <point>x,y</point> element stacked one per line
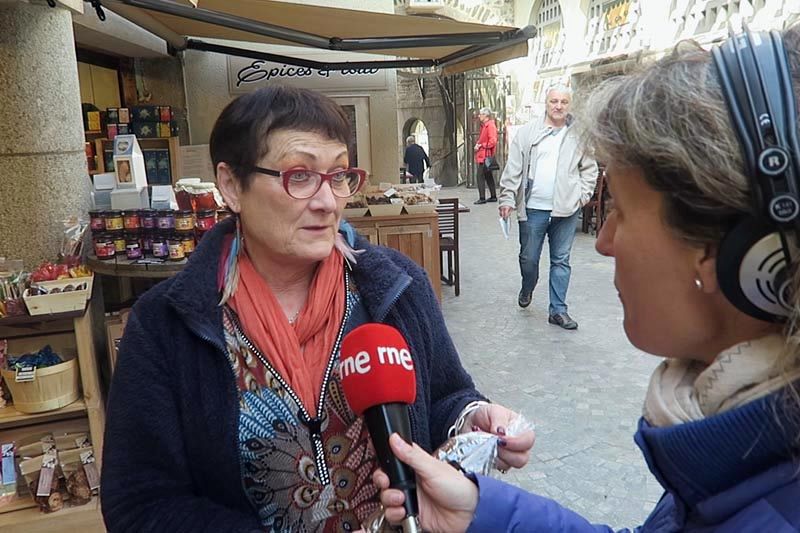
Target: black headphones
<point>755,257</point>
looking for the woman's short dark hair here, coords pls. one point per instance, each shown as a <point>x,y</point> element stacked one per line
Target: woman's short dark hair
<point>239,137</point>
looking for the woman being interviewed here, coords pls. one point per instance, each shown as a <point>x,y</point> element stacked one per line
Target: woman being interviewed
<point>225,413</point>
<point>721,422</point>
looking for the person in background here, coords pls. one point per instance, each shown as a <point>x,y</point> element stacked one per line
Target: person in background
<point>225,412</point>
<point>416,159</point>
<point>548,177</point>
<point>485,147</point>
<point>721,422</point>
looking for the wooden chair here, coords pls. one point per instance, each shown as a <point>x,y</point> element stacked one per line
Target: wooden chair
<point>594,212</point>
<point>448,241</point>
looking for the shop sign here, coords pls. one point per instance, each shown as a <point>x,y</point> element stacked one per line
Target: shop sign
<point>246,75</point>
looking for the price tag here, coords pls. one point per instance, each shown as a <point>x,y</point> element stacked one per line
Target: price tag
<point>391,191</point>
<point>25,373</point>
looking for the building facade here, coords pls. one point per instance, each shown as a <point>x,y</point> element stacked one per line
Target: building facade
<point>584,41</point>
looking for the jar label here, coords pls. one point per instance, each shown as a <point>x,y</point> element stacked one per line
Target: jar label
<point>176,251</point>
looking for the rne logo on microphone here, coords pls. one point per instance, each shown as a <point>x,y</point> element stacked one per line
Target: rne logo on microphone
<point>361,363</point>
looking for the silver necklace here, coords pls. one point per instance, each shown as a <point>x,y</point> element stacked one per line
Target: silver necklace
<point>293,318</point>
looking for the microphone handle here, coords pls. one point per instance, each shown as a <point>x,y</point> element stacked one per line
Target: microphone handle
<point>382,421</point>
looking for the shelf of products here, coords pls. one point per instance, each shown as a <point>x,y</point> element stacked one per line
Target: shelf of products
<point>79,334</point>
<point>171,145</point>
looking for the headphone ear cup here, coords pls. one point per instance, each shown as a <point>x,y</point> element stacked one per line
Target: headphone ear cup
<point>751,265</point>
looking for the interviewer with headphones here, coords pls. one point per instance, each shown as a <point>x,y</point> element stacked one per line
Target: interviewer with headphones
<point>703,164</point>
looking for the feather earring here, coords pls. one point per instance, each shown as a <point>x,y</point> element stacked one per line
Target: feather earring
<point>231,274</point>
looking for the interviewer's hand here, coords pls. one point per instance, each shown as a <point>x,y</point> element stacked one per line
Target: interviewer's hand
<point>511,451</point>
<point>505,211</point>
<point>447,499</point>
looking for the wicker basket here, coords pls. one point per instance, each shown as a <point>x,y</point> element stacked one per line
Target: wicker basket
<point>54,387</point>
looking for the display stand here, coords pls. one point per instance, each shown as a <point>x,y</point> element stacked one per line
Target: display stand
<point>81,331</point>
<point>416,236</point>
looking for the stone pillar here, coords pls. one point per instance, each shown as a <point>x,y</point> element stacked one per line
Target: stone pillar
<point>43,174</point>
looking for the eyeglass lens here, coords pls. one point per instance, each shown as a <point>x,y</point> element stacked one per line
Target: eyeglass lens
<point>305,184</point>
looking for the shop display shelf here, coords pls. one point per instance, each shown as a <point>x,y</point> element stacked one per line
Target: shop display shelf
<point>28,320</point>
<point>23,515</point>
<point>10,417</point>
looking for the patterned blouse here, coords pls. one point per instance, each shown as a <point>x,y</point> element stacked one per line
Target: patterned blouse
<point>300,473</point>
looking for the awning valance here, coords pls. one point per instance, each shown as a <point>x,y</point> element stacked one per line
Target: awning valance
<point>415,41</point>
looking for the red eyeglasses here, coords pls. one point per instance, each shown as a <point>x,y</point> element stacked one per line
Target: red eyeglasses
<point>302,183</point>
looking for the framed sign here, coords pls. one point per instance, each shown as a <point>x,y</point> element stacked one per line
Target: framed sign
<point>245,75</point>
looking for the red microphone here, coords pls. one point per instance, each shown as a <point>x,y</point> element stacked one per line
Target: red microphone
<point>378,380</point>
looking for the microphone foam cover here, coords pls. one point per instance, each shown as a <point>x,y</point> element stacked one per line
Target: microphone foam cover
<point>376,368</point>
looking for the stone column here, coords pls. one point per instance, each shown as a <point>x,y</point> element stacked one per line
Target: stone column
<point>43,174</point>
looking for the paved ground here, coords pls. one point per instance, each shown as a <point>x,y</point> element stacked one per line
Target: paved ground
<point>583,389</point>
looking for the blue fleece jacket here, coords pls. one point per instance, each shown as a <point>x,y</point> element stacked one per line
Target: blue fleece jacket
<point>732,473</point>
<point>170,461</point>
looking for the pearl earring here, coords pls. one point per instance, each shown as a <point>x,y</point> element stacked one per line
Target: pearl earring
<point>698,283</point>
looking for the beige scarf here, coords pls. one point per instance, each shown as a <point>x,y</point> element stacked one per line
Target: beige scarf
<point>683,390</point>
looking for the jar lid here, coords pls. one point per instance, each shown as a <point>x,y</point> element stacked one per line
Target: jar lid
<point>185,233</point>
<point>207,212</point>
<point>147,212</point>
<point>130,212</point>
<point>165,212</point>
<point>113,213</point>
<point>185,212</point>
<point>97,212</point>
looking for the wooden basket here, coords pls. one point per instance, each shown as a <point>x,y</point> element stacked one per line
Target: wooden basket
<point>54,387</point>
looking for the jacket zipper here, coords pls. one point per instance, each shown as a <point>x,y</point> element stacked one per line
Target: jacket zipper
<point>314,424</point>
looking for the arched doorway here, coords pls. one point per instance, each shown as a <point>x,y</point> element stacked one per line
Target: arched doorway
<point>417,128</point>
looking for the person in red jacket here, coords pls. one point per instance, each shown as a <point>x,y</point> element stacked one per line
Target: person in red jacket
<point>485,147</point>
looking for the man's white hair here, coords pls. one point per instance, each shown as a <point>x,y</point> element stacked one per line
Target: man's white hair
<point>485,111</point>
<point>560,88</point>
<point>411,139</point>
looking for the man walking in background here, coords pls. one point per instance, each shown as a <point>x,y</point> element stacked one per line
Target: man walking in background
<point>484,149</point>
<point>415,159</point>
<point>548,177</point>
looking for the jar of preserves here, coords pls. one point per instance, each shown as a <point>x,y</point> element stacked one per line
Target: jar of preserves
<point>131,220</point>
<point>206,219</point>
<point>147,218</point>
<point>176,252</point>
<point>113,220</point>
<point>187,241</point>
<point>222,214</point>
<point>133,247</point>
<point>104,246</point>
<point>97,221</point>
<point>184,220</point>
<point>165,219</point>
<point>119,241</point>
<point>160,248</point>
<point>147,242</point>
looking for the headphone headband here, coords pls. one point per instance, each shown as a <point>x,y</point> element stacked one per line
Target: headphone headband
<point>755,80</point>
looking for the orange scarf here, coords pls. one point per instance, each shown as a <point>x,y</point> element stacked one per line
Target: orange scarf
<point>299,352</point>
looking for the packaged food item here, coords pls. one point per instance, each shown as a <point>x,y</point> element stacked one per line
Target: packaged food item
<point>8,475</point>
<point>119,242</point>
<point>160,247</point>
<point>81,476</point>
<point>176,251</point>
<point>187,241</point>
<point>184,220</point>
<point>113,220</point>
<point>147,218</point>
<point>131,220</point>
<point>97,220</point>
<point>206,219</point>
<point>165,219</point>
<point>104,246</point>
<point>46,486</point>
<point>35,445</point>
<point>133,246</point>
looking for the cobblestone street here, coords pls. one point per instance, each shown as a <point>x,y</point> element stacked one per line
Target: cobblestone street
<point>583,389</point>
